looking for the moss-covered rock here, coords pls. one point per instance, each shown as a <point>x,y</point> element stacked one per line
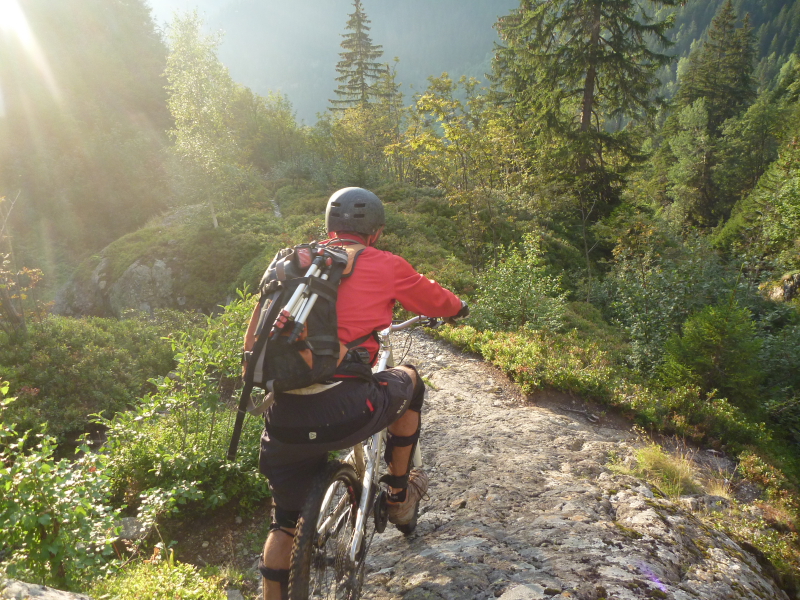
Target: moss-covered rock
<point>177,261</point>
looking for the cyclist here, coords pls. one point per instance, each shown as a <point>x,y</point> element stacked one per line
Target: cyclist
<point>356,404</point>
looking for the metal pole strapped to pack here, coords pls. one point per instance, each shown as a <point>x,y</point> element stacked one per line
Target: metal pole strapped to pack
<point>300,321</point>
<point>296,302</point>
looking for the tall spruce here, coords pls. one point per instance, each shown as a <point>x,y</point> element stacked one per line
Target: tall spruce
<point>573,72</point>
<point>359,69</point>
<point>721,70</point>
<point>576,65</point>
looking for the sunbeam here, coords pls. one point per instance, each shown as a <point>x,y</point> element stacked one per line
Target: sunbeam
<point>14,27</point>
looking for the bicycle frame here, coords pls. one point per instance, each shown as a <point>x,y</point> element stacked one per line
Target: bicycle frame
<point>366,462</point>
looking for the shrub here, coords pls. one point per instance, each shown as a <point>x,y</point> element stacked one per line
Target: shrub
<point>56,521</point>
<point>67,369</point>
<point>518,292</point>
<point>160,580</point>
<point>675,475</point>
<point>653,288</point>
<point>181,432</point>
<point>717,350</point>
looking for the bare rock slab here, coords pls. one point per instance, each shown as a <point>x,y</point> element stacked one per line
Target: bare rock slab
<point>522,506</point>
<point>17,590</point>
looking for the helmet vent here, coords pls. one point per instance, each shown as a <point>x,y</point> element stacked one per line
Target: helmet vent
<point>360,205</point>
<point>337,204</point>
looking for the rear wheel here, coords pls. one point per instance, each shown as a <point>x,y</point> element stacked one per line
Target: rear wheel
<point>321,567</point>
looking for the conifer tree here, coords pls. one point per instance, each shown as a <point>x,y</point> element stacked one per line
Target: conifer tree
<point>721,71</point>
<point>358,69</point>
<point>574,64</point>
<point>568,69</point>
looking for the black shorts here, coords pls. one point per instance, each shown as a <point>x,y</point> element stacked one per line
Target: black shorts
<point>301,428</point>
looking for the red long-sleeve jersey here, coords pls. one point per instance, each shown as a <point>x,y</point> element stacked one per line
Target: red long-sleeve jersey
<point>379,279</point>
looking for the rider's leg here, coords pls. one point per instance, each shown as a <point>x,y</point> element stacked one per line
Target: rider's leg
<point>405,427</point>
<point>403,435</point>
<point>275,560</point>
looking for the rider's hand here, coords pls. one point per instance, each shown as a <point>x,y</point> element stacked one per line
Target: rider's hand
<point>464,312</point>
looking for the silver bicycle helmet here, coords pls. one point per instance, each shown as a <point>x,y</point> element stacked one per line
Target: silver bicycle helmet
<point>354,209</point>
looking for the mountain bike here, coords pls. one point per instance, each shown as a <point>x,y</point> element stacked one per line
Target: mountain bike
<point>345,508</point>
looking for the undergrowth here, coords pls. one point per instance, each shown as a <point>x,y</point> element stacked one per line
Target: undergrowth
<point>165,578</point>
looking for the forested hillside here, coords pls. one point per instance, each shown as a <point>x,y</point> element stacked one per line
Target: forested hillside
<point>619,201</point>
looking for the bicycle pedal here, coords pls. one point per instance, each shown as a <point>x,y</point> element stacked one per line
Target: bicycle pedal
<point>381,511</point>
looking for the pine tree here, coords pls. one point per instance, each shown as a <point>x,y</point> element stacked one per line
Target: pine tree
<point>568,69</point>
<point>358,68</point>
<point>721,71</point>
<point>574,64</point>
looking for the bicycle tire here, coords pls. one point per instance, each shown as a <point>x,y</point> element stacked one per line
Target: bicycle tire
<point>320,566</point>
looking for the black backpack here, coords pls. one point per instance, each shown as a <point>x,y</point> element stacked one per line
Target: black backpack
<point>297,342</point>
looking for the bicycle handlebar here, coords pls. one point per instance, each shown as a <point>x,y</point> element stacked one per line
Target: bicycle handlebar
<point>407,324</point>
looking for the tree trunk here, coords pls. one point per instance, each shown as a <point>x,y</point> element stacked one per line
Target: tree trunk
<point>589,82</point>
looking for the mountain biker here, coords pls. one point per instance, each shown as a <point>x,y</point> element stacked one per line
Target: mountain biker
<point>357,403</point>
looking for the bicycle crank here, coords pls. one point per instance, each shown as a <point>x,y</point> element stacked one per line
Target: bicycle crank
<point>381,511</point>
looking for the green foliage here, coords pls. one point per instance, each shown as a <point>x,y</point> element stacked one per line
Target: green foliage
<point>673,475</point>
<point>160,579</point>
<point>747,145</point>
<point>780,357</point>
<point>578,363</point>
<point>691,187</point>
<point>466,147</point>
<point>180,433</point>
<point>519,292</point>
<point>765,223</point>
<point>717,350</point>
<point>656,282</point>
<point>56,523</point>
<point>201,95</point>
<point>67,369</point>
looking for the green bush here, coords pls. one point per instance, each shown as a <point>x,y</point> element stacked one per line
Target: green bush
<point>165,579</point>
<point>574,363</point>
<point>652,289</point>
<point>56,523</point>
<point>518,292</point>
<point>67,369</point>
<point>717,350</point>
<point>181,432</point>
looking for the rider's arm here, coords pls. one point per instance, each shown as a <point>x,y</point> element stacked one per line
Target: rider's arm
<point>421,295</point>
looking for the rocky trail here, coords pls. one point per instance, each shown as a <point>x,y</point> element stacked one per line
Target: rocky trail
<point>522,505</point>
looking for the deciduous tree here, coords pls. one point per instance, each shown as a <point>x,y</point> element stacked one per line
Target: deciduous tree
<point>201,93</point>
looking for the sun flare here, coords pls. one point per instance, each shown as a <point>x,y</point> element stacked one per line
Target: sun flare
<point>14,24</point>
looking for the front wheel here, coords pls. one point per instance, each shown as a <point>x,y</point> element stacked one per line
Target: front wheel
<point>321,567</point>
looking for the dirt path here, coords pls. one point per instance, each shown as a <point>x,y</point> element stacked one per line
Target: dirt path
<point>523,506</point>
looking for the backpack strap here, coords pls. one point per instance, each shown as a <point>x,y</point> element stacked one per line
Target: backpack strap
<point>353,252</point>
<point>363,338</point>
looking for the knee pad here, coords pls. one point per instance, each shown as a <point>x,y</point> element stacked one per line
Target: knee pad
<point>418,395</point>
<point>284,518</point>
<point>280,576</point>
